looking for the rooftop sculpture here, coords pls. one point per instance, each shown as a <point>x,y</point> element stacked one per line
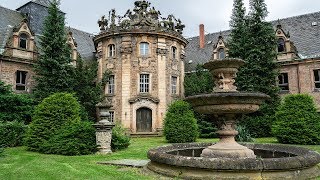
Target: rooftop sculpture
<point>144,17</point>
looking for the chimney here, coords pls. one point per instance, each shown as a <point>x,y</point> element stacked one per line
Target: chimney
<point>201,37</point>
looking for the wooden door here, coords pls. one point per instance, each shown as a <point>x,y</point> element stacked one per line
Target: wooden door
<point>144,120</point>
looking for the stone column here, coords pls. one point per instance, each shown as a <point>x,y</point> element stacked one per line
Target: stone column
<point>104,135</point>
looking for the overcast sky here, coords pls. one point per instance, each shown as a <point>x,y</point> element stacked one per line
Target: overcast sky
<point>214,14</point>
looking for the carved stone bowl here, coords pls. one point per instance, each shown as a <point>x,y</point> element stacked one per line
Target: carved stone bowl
<point>227,102</point>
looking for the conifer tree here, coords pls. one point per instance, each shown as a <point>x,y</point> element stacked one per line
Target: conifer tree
<point>254,41</point>
<point>54,71</point>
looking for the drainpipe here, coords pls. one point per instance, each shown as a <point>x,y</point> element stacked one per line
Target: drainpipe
<point>298,78</point>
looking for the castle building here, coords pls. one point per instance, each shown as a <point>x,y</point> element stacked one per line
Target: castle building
<point>20,30</point>
<point>298,53</point>
<point>145,55</point>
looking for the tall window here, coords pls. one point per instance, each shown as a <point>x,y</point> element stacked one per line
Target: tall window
<point>111,84</point>
<point>174,85</point>
<point>283,81</point>
<point>144,49</point>
<point>21,77</point>
<point>111,50</point>
<point>281,45</point>
<point>23,39</point>
<point>221,53</point>
<point>174,52</point>
<point>111,118</point>
<point>316,78</point>
<point>144,83</point>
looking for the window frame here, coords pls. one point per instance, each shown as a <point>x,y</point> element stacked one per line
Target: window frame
<point>282,45</point>
<point>111,50</point>
<point>111,117</point>
<point>144,83</point>
<point>111,85</point>
<point>21,80</point>
<point>144,48</point>
<point>174,52</point>
<point>283,81</point>
<point>316,80</point>
<point>174,85</point>
<point>219,53</point>
<point>25,39</point>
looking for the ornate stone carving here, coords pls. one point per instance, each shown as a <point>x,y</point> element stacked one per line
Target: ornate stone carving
<point>162,51</point>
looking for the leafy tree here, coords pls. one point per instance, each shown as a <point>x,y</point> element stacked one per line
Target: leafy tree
<point>258,49</point>
<point>55,73</point>
<point>180,126</point>
<point>297,121</point>
<point>86,88</point>
<point>14,107</point>
<point>198,82</point>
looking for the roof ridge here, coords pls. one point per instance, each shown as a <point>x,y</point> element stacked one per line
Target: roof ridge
<point>296,16</point>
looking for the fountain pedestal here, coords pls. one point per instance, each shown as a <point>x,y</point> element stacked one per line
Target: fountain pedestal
<point>227,147</point>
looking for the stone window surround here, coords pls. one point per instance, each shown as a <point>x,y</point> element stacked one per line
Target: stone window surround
<point>283,45</point>
<point>283,81</point>
<point>147,51</point>
<point>174,52</point>
<point>111,51</point>
<point>174,85</point>
<point>19,73</point>
<point>110,86</point>
<point>148,84</point>
<point>26,39</point>
<point>220,51</point>
<point>316,79</point>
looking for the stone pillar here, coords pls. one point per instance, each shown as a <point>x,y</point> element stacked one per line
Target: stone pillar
<point>103,136</point>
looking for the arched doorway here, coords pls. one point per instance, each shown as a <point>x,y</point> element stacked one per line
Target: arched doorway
<point>144,120</point>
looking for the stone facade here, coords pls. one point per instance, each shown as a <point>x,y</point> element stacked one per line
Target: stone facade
<point>147,67</point>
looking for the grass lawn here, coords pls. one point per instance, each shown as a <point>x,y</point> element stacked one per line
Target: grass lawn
<point>17,163</point>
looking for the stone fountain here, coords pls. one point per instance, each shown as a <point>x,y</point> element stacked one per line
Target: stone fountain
<point>227,159</point>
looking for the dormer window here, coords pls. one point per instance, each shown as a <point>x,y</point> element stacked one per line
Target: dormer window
<point>23,40</point>
<point>111,50</point>
<point>221,53</point>
<point>144,49</point>
<point>174,52</point>
<point>281,45</point>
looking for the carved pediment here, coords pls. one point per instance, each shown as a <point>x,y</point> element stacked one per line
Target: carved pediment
<point>144,97</point>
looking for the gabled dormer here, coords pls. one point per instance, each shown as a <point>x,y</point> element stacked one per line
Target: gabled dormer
<point>73,46</point>
<point>286,49</point>
<point>220,50</point>
<point>21,44</point>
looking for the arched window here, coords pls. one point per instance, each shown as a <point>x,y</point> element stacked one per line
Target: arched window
<point>221,53</point>
<point>111,50</point>
<point>144,49</point>
<point>281,45</point>
<point>174,52</point>
<point>23,41</point>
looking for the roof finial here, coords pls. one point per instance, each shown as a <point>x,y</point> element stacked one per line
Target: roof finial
<point>279,24</point>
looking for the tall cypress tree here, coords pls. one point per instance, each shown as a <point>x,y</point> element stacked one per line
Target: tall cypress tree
<point>54,71</point>
<point>238,30</point>
<point>253,39</point>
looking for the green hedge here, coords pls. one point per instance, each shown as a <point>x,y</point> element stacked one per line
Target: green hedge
<point>119,138</point>
<point>12,133</point>
<point>75,138</point>
<point>297,121</point>
<point>180,125</point>
<point>258,126</point>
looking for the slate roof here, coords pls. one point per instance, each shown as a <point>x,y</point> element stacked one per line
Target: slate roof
<point>11,18</point>
<point>303,34</point>
<point>8,20</point>
<point>45,3</point>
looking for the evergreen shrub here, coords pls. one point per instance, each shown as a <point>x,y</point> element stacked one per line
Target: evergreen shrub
<point>243,134</point>
<point>180,125</point>
<point>119,138</point>
<point>297,121</point>
<point>12,133</point>
<point>258,126</point>
<point>75,138</point>
<point>207,129</point>
<point>49,116</point>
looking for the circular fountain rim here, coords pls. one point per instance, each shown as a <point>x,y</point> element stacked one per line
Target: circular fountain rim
<point>304,158</point>
<point>231,95</point>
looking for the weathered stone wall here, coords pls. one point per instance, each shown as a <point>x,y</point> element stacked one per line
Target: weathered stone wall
<point>128,64</point>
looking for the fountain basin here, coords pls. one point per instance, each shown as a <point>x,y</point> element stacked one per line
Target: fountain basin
<point>272,162</point>
<point>227,102</point>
